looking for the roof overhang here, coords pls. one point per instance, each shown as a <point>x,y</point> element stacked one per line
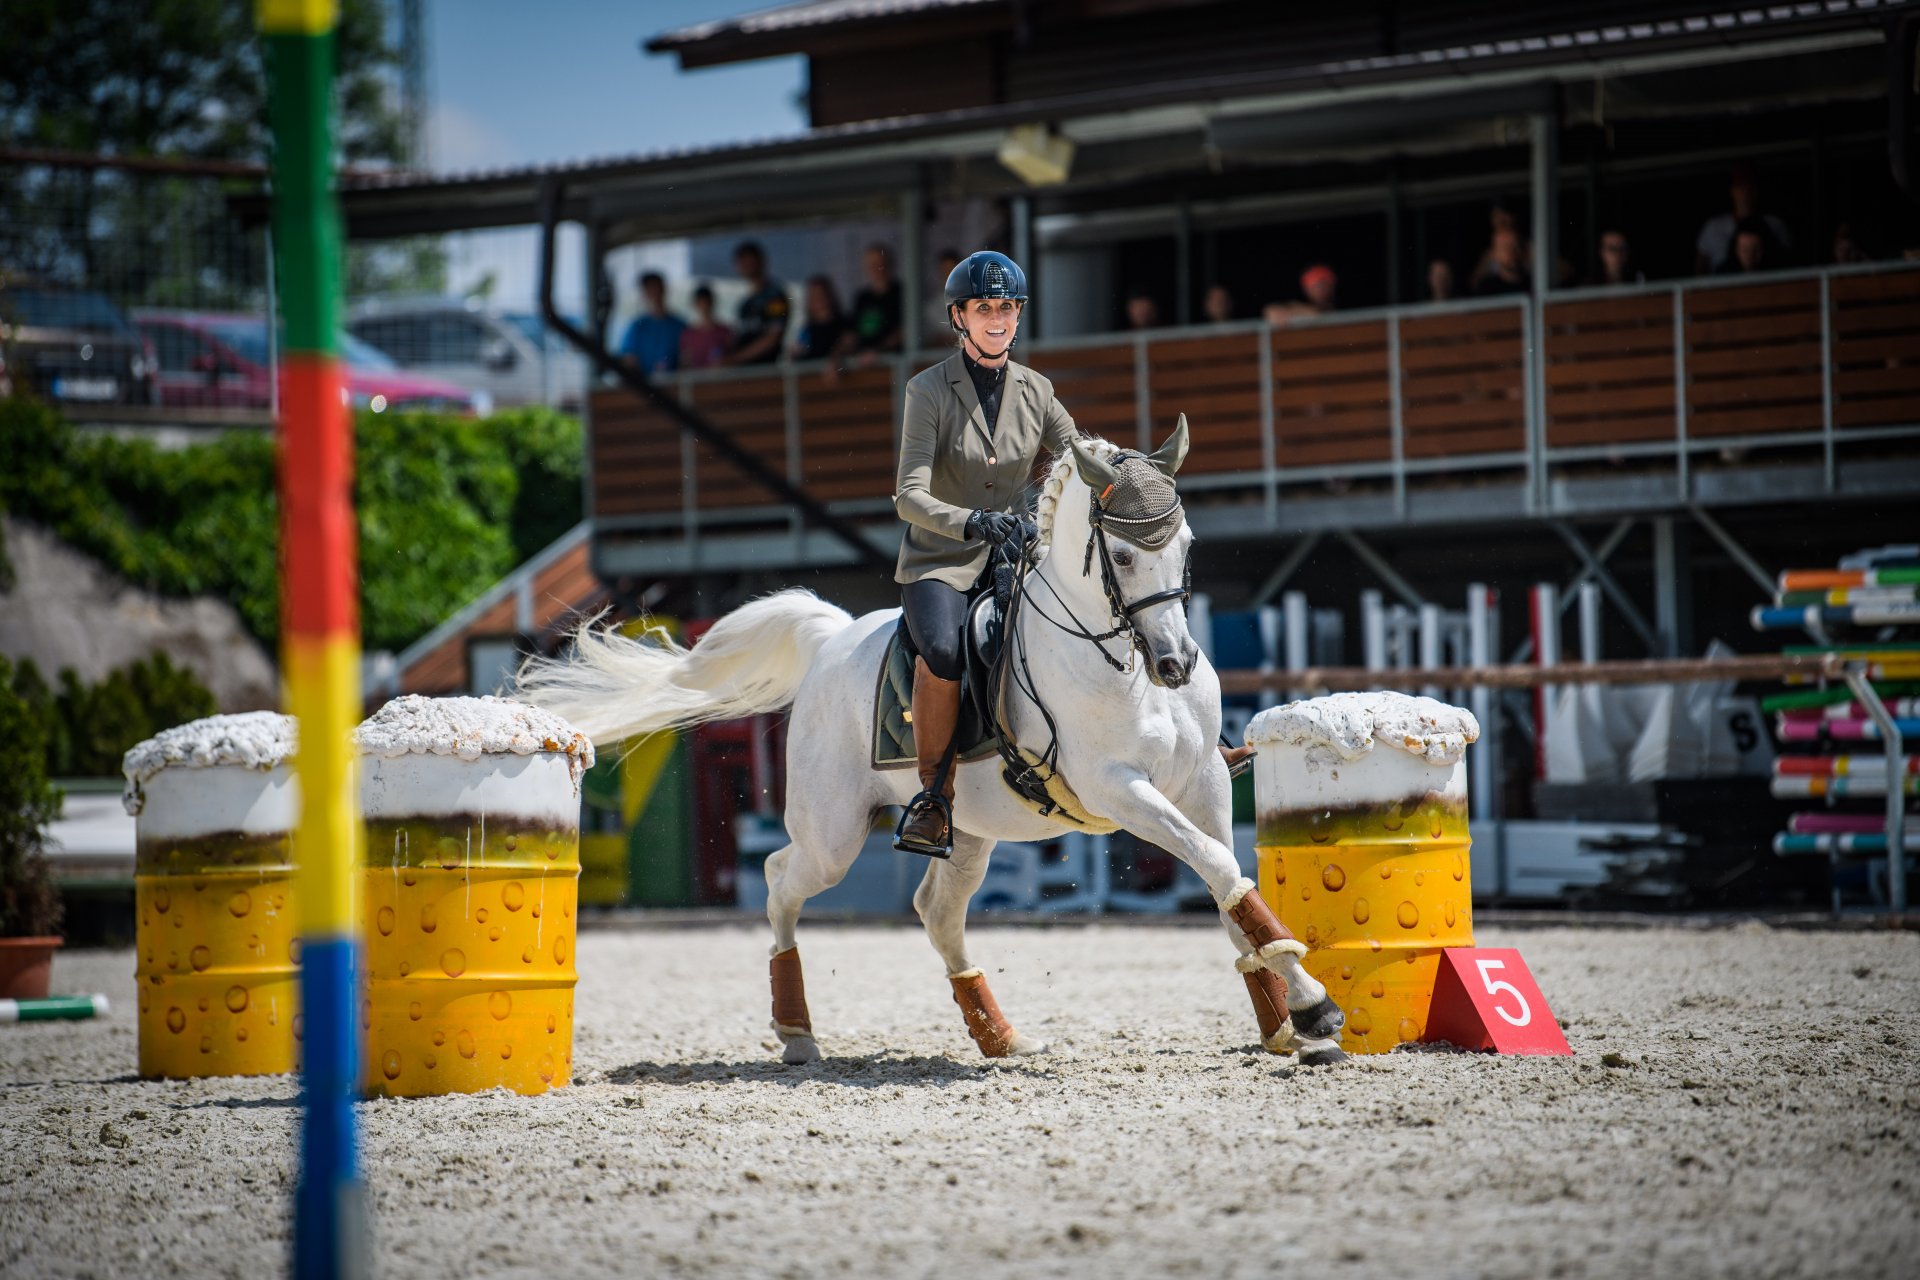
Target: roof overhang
<point>1427,99</point>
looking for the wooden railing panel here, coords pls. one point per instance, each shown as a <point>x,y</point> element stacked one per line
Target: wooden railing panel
<point>1096,384</point>
<point>1876,350</point>
<point>1609,372</point>
<point>1463,383</point>
<point>1215,381</point>
<point>1330,395</point>
<point>847,433</point>
<point>636,457</point>
<point>1753,359</point>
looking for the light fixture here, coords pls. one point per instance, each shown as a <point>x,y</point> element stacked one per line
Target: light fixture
<point>1037,155</point>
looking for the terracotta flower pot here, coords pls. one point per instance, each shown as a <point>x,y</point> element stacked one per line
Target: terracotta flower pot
<point>26,966</point>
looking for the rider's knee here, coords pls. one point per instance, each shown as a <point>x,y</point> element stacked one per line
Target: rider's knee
<point>944,661</point>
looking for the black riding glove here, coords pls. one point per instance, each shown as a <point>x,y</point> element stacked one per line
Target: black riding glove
<point>1001,528</point>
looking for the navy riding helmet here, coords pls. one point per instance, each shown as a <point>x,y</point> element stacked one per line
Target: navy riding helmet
<point>985,274</point>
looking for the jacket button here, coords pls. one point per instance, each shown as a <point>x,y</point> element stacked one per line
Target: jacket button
<point>993,462</point>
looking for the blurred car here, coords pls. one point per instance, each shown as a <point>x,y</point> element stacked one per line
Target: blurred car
<point>70,346</point>
<point>223,361</point>
<point>511,355</point>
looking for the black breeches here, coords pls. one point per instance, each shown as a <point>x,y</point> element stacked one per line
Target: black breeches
<point>936,618</point>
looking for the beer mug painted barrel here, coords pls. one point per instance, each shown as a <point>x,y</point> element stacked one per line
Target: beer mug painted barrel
<point>214,803</point>
<point>469,902</point>
<point>1361,803</point>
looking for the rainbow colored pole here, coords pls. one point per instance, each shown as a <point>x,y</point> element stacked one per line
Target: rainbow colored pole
<point>320,626</point>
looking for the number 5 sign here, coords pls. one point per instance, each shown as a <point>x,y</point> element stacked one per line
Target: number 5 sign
<point>1484,998</point>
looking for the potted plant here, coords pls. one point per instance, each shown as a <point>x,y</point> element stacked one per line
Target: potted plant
<point>29,902</point>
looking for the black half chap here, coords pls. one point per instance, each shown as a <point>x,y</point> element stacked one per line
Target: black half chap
<point>936,617</point>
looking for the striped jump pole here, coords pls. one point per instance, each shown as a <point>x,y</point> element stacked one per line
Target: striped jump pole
<point>319,627</point>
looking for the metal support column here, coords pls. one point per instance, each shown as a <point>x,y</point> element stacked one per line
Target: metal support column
<point>1589,622</point>
<point>1671,596</point>
<point>1483,775</point>
<point>913,269</point>
<point>1373,631</point>
<point>1895,746</point>
<point>1545,184</point>
<point>1545,614</point>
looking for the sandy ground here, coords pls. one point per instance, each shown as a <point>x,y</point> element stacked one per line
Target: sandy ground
<point>1741,1102</point>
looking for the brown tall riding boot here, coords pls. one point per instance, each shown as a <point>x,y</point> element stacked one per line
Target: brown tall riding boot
<point>927,828</point>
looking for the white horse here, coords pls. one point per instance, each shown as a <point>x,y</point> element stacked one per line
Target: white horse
<point>1136,741</point>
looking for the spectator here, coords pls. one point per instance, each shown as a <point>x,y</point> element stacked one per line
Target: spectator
<point>824,326</point>
<point>706,341</point>
<point>1142,311</point>
<point>1752,249</point>
<point>1616,261</point>
<point>1506,266</point>
<point>1319,284</point>
<point>1218,305</point>
<point>875,324</point>
<point>1845,248</point>
<point>940,327</point>
<point>763,315</point>
<point>1499,219</point>
<point>652,343</point>
<point>1713,250</point>
<point>1439,281</point>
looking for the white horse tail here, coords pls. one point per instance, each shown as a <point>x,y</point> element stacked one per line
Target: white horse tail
<point>614,687</point>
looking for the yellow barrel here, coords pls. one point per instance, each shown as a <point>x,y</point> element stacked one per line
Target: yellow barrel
<point>1362,842</point>
<point>473,863</point>
<point>216,958</point>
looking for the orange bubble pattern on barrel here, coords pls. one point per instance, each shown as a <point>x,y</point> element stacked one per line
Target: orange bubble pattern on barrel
<point>476,955</point>
<point>1393,891</point>
<point>218,992</point>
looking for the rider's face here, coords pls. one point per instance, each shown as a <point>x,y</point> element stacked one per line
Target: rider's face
<point>990,324</point>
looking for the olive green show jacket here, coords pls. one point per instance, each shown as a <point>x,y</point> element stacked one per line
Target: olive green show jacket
<point>950,467</point>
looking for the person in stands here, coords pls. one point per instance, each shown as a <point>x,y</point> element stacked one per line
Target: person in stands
<point>1616,261</point>
<point>1217,307</point>
<point>761,323</point>
<point>874,326</point>
<point>824,325</point>
<point>1439,281</point>
<point>706,341</point>
<point>1753,250</point>
<point>1142,311</point>
<point>1713,249</point>
<point>652,341</point>
<point>1506,266</point>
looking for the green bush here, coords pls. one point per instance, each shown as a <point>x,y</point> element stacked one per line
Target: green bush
<point>446,507</point>
<point>29,903</point>
<point>85,729</point>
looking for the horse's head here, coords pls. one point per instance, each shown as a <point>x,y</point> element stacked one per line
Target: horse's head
<point>1125,512</point>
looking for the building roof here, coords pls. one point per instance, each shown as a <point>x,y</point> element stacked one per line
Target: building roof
<point>807,14</point>
<point>868,157</point>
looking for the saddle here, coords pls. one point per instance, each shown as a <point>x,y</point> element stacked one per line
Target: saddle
<point>893,698</point>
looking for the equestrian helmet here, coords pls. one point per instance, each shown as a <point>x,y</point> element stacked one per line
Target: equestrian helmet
<point>986,274</point>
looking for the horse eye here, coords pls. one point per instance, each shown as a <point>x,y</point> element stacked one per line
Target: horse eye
<point>1123,560</point>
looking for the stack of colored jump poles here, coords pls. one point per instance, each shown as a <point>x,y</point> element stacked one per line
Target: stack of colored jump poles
<point>1852,613</point>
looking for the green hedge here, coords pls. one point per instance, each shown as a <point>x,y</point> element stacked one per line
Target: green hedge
<point>446,506</point>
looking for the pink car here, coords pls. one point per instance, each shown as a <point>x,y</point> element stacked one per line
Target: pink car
<point>222,362</point>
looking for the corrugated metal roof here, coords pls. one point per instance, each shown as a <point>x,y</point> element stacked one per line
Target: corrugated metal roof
<point>810,13</point>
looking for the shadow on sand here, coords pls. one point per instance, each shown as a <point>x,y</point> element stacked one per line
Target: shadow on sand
<point>866,1071</point>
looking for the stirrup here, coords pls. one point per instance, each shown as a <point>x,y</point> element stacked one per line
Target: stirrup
<point>905,845</point>
<point>1241,765</point>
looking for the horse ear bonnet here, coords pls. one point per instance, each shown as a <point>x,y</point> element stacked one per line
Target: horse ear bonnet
<point>1142,507</point>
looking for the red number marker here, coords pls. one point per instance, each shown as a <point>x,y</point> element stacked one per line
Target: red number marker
<point>1484,998</point>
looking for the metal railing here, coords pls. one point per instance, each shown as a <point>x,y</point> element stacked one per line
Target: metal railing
<point>1378,397</point>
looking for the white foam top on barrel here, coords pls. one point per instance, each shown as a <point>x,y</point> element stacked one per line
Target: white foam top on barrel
<point>1350,724</point>
<point>260,740</point>
<point>469,728</point>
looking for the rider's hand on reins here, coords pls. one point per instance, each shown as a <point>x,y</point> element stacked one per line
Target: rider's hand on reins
<point>1002,528</point>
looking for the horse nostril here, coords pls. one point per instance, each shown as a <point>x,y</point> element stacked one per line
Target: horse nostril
<point>1170,670</point>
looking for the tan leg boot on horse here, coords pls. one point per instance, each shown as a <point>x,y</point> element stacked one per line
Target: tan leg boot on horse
<point>927,828</point>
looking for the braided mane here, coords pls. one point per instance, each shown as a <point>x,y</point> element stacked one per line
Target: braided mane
<point>1056,484</point>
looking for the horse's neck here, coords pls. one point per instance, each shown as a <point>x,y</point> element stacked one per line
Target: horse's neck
<point>1067,558</point>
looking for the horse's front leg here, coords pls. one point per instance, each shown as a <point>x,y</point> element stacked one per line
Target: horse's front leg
<point>942,901</point>
<point>1128,797</point>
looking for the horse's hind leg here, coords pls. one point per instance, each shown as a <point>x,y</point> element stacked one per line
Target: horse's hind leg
<point>794,874</point>
<point>942,903</point>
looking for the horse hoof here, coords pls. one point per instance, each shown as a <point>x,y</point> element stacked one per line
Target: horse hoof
<point>1320,1022</point>
<point>1322,1056</point>
<point>799,1051</point>
<point>1025,1047</point>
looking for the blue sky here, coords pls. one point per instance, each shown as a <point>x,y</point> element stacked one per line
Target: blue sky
<point>516,83</point>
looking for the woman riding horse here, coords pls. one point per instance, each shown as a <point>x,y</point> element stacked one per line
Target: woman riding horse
<point>975,425</point>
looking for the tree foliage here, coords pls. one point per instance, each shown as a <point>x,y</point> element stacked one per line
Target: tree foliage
<point>446,507</point>
<point>29,904</point>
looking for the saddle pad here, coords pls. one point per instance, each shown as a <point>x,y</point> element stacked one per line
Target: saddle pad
<point>892,734</point>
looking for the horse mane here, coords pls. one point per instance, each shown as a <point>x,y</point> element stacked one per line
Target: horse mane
<point>1056,484</point>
